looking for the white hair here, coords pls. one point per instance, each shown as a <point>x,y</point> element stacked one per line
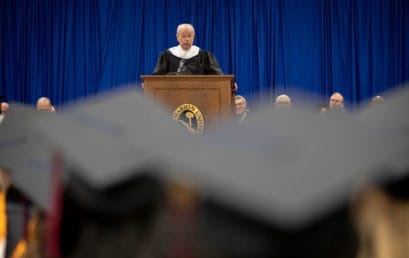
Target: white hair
<point>185,25</point>
<point>283,98</point>
<point>241,97</point>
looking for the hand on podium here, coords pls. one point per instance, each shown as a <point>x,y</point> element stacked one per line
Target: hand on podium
<point>235,87</point>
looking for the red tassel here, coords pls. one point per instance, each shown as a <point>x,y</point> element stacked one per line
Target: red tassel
<point>55,214</point>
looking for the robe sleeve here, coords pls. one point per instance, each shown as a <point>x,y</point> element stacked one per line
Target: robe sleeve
<point>213,66</point>
<point>162,64</point>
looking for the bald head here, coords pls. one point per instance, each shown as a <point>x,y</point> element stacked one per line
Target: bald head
<point>283,101</point>
<point>44,103</point>
<point>4,107</point>
<point>336,100</point>
<point>185,35</point>
<point>377,100</point>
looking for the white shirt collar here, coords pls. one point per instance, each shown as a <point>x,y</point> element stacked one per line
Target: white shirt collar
<point>243,116</point>
<point>185,54</point>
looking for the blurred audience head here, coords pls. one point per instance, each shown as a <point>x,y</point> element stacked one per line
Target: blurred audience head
<point>4,106</point>
<point>380,217</point>
<point>377,100</point>
<point>283,101</point>
<point>336,101</point>
<point>240,104</point>
<point>44,104</point>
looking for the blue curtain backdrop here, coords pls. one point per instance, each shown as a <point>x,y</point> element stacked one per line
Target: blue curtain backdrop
<point>73,49</point>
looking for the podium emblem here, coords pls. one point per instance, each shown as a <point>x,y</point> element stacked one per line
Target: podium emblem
<point>189,116</point>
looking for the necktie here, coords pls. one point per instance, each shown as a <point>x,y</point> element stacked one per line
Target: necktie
<point>182,67</point>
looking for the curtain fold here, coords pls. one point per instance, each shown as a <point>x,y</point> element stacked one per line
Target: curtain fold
<point>68,50</point>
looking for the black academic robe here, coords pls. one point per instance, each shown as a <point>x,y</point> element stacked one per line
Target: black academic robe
<point>203,63</point>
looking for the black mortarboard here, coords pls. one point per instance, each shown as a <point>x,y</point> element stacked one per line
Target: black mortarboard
<point>26,156</point>
<point>290,173</point>
<point>26,153</point>
<point>99,165</point>
<point>296,171</point>
<point>279,182</point>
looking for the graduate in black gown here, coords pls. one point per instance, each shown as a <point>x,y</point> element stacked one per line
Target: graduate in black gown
<point>186,58</point>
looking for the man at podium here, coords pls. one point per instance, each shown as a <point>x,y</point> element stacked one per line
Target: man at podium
<point>186,58</point>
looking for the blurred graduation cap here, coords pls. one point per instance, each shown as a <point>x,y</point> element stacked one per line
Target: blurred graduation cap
<point>139,134</point>
<point>283,178</point>
<point>297,171</point>
<point>97,160</point>
<point>388,118</point>
<point>30,138</point>
<point>302,164</point>
<point>291,172</point>
<point>26,153</point>
<point>105,140</point>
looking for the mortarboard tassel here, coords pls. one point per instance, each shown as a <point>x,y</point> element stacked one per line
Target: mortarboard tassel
<point>55,215</point>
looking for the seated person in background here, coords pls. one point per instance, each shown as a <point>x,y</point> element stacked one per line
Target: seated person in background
<point>336,101</point>
<point>240,105</point>
<point>44,104</point>
<point>380,215</point>
<point>13,240</point>
<point>186,58</point>
<point>283,101</point>
<point>4,184</point>
<point>4,106</point>
<point>377,100</point>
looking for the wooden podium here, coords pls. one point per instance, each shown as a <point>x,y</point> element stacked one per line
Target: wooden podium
<point>210,94</point>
